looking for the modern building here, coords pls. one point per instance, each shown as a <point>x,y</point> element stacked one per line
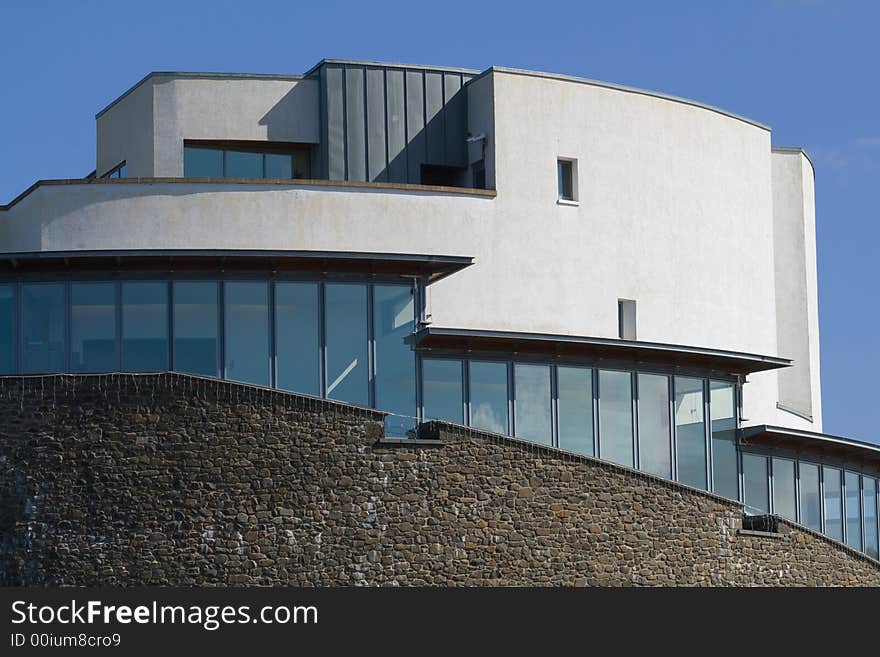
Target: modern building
<point>606,270</point>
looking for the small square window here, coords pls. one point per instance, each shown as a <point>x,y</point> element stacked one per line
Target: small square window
<point>566,171</point>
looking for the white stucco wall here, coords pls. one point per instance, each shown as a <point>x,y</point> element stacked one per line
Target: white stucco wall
<point>125,132</point>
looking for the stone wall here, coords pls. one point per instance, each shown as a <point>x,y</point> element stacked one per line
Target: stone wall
<point>171,479</point>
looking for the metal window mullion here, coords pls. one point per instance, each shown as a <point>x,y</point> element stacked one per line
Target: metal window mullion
<point>221,327</point>
<point>554,406</point>
<point>864,542</point>
<point>273,347</point>
<point>822,499</point>
<point>67,346</point>
<point>596,392</point>
<point>117,288</point>
<point>673,425</point>
<point>634,413</point>
<point>797,491</point>
<point>710,453</point>
<point>371,347</point>
<point>511,399</point>
<point>169,295</point>
<point>771,489</point>
<point>322,337</point>
<point>466,391</point>
<point>17,340</point>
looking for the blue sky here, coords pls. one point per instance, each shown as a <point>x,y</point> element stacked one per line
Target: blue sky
<point>807,68</point>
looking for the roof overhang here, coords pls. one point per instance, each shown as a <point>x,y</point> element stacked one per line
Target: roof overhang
<point>431,267</point>
<point>809,442</point>
<point>605,349</point>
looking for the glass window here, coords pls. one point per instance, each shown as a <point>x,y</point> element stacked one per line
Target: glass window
<point>575,407</point>
<point>488,396</point>
<point>93,327</point>
<point>811,506</point>
<point>246,335</point>
<point>393,323</point>
<point>301,163</point>
<point>202,162</point>
<point>869,495</point>
<point>279,165</point>
<point>196,327</point>
<point>784,497</point>
<point>442,389</point>
<point>722,409</point>
<point>756,487</point>
<point>831,484</point>
<point>123,170</point>
<point>853,500</point>
<point>565,180</point>
<point>240,164</point>
<point>655,449</point>
<point>7,324</point>
<point>626,319</point>
<point>690,431</point>
<point>42,328</point>
<point>615,417</point>
<point>346,327</point>
<point>297,342</point>
<point>532,402</point>
<point>144,326</point>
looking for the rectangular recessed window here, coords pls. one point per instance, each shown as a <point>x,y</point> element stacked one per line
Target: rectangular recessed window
<point>784,497</point>
<point>626,319</point>
<point>42,328</point>
<point>93,327</point>
<point>7,334</point>
<point>852,501</point>
<point>297,340</point>
<point>724,460</point>
<point>575,409</point>
<point>532,402</point>
<point>202,163</point>
<point>196,332</point>
<point>655,447</point>
<point>246,159</point>
<point>241,164</point>
<point>811,500</point>
<point>831,484</point>
<point>690,431</point>
<point>566,181</point>
<point>246,316</point>
<point>869,495</point>
<point>488,396</point>
<point>347,343</point>
<point>144,326</point>
<point>393,323</point>
<point>756,487</point>
<point>442,388</point>
<point>616,417</point>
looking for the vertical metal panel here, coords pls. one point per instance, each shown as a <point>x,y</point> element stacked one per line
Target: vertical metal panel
<point>355,124</point>
<point>415,125</point>
<point>434,128</point>
<point>335,117</point>
<point>376,143</point>
<point>396,126</point>
<point>455,119</point>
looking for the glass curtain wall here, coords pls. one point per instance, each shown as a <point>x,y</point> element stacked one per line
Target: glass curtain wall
<point>831,484</point>
<point>298,337</point>
<point>869,497</point>
<point>575,409</point>
<point>756,484</point>
<point>246,331</point>
<point>196,328</point>
<point>443,390</point>
<point>488,396</point>
<point>655,435</point>
<point>811,496</point>
<point>853,504</point>
<point>616,417</point>
<point>93,327</point>
<point>42,328</point>
<point>395,367</point>
<point>7,329</point>
<point>690,432</point>
<point>784,495</point>
<point>722,409</point>
<point>532,403</point>
<point>347,343</point>
<point>144,326</point>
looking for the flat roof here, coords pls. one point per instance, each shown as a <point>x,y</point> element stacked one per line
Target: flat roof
<point>798,440</point>
<point>635,351</point>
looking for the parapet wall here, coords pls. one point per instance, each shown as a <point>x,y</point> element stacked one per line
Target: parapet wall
<point>168,479</point>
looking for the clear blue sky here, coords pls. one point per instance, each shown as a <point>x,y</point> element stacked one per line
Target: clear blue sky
<point>807,68</point>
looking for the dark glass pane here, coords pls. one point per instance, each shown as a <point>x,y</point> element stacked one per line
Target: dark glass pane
<point>853,510</point>
<point>564,180</point>
<point>690,431</point>
<point>655,450</point>
<point>576,409</point>
<point>279,165</point>
<point>202,163</point>
<point>532,402</point>
<point>244,165</point>
<point>393,323</point>
<point>784,497</point>
<point>756,486</point>
<point>246,331</point>
<point>811,504</point>
<point>869,495</point>
<point>144,326</point>
<point>488,396</point>
<point>302,164</point>
<point>831,483</point>
<point>297,343</point>
<point>615,417</point>
<point>7,319</point>
<point>442,389</point>
<point>93,327</point>
<point>346,327</point>
<point>195,327</point>
<point>724,468</point>
<point>42,328</point>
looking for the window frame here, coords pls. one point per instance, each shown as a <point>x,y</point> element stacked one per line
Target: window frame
<point>569,163</point>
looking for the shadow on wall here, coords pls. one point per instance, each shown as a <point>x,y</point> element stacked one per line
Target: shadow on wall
<point>294,118</point>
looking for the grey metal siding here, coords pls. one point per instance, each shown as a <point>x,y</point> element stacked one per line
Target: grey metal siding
<point>415,124</point>
<point>377,145</point>
<point>335,118</point>
<point>355,125</point>
<point>396,132</point>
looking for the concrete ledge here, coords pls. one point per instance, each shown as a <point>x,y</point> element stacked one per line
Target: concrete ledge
<point>754,532</point>
<point>409,442</point>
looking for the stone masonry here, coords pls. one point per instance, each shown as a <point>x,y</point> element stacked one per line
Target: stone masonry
<point>168,479</point>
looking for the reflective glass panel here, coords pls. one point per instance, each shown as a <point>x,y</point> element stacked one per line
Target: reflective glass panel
<point>869,492</point>
<point>144,326</point>
<point>442,389</point>
<point>831,484</point>
<point>240,164</point>
<point>297,342</point>
<point>532,402</point>
<point>722,409</point>
<point>488,393</point>
<point>756,486</point>
<point>784,497</point>
<point>690,431</point>
<point>301,164</point>
<point>202,163</point>
<point>393,323</point>
<point>811,505</point>
<point>853,510</point>
<point>615,417</point>
<point>196,327</point>
<point>346,327</point>
<point>655,448</point>
<point>575,391</point>
<point>246,335</point>
<point>279,165</point>
<point>93,327</point>
<point>42,328</point>
<point>7,319</point>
